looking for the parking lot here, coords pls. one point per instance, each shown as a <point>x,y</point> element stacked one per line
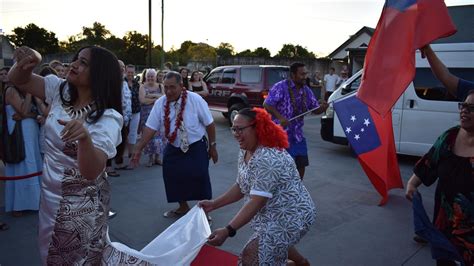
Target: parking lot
<point>350,228</point>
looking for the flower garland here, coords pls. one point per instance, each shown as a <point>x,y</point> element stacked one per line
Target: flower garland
<point>179,118</point>
<point>293,101</point>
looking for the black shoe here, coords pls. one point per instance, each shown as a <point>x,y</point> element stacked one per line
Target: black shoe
<point>420,240</point>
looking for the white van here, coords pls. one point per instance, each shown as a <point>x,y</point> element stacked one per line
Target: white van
<point>423,111</point>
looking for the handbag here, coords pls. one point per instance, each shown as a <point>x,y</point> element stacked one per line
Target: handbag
<point>13,145</point>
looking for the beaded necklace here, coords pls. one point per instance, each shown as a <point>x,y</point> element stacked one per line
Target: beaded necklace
<point>80,113</point>
<point>179,117</point>
<point>293,101</point>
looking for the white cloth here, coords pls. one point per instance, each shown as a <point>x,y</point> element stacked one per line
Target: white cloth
<point>60,158</point>
<point>178,245</point>
<point>133,128</point>
<point>330,81</point>
<point>196,117</point>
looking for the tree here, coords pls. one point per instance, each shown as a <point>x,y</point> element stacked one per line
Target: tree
<point>182,52</point>
<point>116,45</point>
<point>155,56</point>
<point>246,53</point>
<point>292,51</point>
<point>262,52</point>
<point>35,37</point>
<point>202,52</point>
<point>96,35</point>
<point>136,48</point>
<point>225,50</point>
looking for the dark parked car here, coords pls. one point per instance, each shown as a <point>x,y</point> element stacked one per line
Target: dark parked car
<point>232,88</point>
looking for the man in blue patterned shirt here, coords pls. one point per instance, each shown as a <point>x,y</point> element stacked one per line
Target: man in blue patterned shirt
<point>287,99</point>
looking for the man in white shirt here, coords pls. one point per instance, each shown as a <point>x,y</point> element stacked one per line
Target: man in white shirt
<point>330,81</point>
<point>183,117</point>
<point>344,76</point>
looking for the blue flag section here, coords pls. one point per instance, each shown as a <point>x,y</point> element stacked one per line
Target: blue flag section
<point>401,5</point>
<point>358,124</point>
<point>441,248</point>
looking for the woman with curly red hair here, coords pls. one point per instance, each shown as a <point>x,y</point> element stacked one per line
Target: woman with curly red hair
<point>276,201</point>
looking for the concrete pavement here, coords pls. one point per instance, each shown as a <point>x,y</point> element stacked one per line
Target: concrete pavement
<point>350,228</point>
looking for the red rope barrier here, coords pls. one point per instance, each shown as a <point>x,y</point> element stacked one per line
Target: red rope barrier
<point>8,178</point>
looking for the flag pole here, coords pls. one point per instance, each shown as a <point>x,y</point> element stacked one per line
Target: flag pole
<point>305,113</point>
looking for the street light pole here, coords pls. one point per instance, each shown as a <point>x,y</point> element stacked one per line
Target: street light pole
<point>162,34</point>
<point>149,34</point>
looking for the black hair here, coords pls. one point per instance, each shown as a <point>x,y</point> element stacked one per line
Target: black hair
<point>47,70</point>
<point>105,83</point>
<point>294,67</point>
<point>333,69</point>
<point>249,113</point>
<point>5,68</point>
<point>192,74</point>
<point>175,75</point>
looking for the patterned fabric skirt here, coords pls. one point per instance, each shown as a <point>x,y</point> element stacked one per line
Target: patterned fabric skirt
<point>186,175</point>
<point>154,145</point>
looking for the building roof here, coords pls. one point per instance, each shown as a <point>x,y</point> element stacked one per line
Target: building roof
<point>462,17</point>
<point>352,38</point>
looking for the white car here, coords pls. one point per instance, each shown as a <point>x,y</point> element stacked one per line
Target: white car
<point>423,112</point>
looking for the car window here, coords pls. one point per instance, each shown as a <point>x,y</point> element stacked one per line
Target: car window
<point>276,74</point>
<point>429,88</point>
<point>214,76</point>
<point>354,85</point>
<point>229,76</point>
<point>250,75</point>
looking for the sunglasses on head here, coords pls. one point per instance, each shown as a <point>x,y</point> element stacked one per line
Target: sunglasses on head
<point>467,106</point>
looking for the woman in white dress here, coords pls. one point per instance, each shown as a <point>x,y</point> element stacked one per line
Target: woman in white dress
<point>82,130</point>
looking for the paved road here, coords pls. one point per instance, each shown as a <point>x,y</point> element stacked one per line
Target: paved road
<point>350,228</point>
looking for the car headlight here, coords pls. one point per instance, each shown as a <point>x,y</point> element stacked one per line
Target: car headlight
<point>330,111</point>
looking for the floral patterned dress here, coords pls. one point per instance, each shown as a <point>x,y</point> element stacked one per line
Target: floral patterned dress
<point>154,146</point>
<point>289,211</point>
<point>454,196</point>
<point>73,210</point>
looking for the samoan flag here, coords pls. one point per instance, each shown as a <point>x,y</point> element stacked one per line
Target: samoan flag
<point>441,247</point>
<point>404,26</point>
<point>371,137</point>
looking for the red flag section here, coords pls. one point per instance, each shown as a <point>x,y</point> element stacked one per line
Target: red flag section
<point>404,26</point>
<point>381,164</point>
<point>371,138</point>
<point>211,256</point>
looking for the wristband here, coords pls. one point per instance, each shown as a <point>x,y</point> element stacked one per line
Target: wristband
<point>231,230</point>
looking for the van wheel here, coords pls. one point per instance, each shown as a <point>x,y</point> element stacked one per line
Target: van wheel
<point>234,110</point>
<point>225,114</point>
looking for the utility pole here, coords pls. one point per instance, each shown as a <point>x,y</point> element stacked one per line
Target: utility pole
<point>149,34</point>
<point>162,34</point>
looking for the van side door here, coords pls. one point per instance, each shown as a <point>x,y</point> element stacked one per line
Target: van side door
<point>427,111</point>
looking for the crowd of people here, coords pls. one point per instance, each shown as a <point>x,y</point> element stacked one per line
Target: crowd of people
<point>84,121</point>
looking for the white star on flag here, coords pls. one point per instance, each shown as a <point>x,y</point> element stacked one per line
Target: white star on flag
<point>353,118</point>
<point>357,137</point>
<point>362,130</point>
<point>348,130</point>
<point>366,122</point>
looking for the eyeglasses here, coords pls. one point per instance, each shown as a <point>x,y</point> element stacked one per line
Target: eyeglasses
<point>239,130</point>
<point>469,107</point>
